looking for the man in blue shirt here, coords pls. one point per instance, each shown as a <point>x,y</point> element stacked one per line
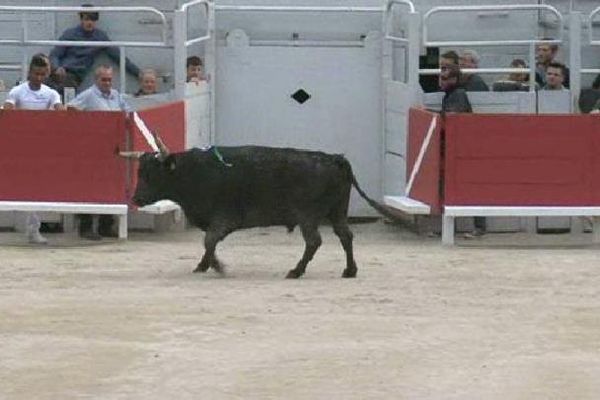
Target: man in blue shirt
<point>99,97</point>
<point>71,63</point>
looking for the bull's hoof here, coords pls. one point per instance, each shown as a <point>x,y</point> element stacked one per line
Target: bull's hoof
<point>349,273</point>
<point>201,268</point>
<point>293,274</point>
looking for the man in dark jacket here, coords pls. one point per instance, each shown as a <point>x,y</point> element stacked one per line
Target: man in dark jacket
<point>455,97</point>
<point>456,100</point>
<point>71,64</point>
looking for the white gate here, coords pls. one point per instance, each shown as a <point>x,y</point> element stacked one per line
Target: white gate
<point>312,94</point>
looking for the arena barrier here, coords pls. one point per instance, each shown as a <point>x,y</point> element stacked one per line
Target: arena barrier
<point>423,165</point>
<point>67,162</point>
<point>507,165</point>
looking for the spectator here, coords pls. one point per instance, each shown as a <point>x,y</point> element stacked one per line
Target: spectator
<point>521,77</point>
<point>596,83</point>
<point>2,86</point>
<point>148,83</point>
<point>448,58</point>
<point>545,54</point>
<point>34,95</point>
<point>99,97</point>
<point>455,97</point>
<point>195,69</point>
<point>555,76</point>
<point>71,64</point>
<point>471,82</point>
<point>456,100</point>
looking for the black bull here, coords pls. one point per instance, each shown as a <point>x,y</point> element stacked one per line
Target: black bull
<point>233,188</point>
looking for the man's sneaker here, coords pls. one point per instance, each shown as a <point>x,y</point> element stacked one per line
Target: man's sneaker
<point>476,233</point>
<point>36,237</point>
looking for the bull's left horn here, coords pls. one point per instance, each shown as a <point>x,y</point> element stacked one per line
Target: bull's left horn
<point>131,154</point>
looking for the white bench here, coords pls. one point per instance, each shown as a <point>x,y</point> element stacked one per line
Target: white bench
<point>407,205</point>
<point>451,212</point>
<point>120,210</point>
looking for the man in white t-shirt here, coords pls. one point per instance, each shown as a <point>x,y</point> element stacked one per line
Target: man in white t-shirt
<point>34,95</point>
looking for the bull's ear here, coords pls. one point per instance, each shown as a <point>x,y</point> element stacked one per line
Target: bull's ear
<point>170,163</point>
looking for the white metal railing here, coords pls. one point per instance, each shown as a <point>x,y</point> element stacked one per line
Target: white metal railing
<point>24,41</point>
<point>207,6</point>
<point>592,42</point>
<point>498,42</point>
<point>389,13</point>
<point>182,42</point>
<point>300,8</point>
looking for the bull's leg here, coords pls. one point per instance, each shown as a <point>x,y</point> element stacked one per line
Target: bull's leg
<point>312,237</point>
<point>217,265</point>
<point>342,231</point>
<point>212,238</point>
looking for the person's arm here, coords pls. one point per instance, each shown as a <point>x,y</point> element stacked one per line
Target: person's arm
<point>124,105</point>
<point>55,101</point>
<point>11,100</point>
<point>115,55</point>
<point>58,52</point>
<point>79,102</point>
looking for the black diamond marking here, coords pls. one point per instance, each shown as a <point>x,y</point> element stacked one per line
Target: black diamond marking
<point>301,96</point>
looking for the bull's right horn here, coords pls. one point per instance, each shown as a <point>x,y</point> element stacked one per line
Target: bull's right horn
<point>131,154</point>
<point>162,147</point>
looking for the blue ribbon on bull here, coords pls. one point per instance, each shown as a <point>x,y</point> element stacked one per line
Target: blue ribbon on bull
<point>217,154</point>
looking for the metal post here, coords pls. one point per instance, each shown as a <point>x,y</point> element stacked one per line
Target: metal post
<point>532,67</point>
<point>210,61</point>
<point>180,52</point>
<point>414,50</point>
<point>24,69</point>
<point>122,70</point>
<point>575,22</point>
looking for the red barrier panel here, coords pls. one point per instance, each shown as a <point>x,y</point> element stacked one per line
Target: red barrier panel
<point>426,182</point>
<point>168,121</point>
<point>541,160</point>
<point>62,156</point>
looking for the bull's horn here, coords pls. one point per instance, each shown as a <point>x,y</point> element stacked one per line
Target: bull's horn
<point>131,154</point>
<point>162,147</point>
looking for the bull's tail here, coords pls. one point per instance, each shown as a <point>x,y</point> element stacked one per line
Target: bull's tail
<point>380,208</point>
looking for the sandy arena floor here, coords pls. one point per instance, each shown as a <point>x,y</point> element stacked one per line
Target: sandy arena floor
<point>507,317</point>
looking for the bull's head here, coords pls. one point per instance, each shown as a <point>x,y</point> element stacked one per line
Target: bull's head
<point>154,173</point>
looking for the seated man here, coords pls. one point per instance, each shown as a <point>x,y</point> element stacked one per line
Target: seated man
<point>148,83</point>
<point>71,64</point>
<point>99,97</point>
<point>471,82</point>
<point>555,76</point>
<point>194,68</point>
<point>34,95</point>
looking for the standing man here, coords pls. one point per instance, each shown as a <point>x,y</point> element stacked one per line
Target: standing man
<point>99,97</point>
<point>545,54</point>
<point>34,95</point>
<point>456,100</point>
<point>71,64</point>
